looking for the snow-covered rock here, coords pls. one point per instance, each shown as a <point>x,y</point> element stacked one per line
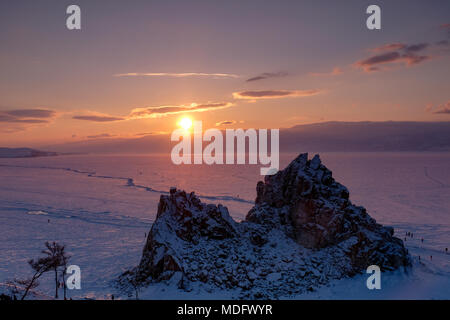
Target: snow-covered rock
<point>182,220</point>
<point>302,232</point>
<point>319,214</point>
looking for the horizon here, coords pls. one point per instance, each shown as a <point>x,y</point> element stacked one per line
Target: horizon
<point>332,136</point>
<point>142,136</point>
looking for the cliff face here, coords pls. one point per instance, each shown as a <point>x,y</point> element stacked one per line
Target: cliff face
<point>182,222</point>
<point>302,232</point>
<point>321,215</point>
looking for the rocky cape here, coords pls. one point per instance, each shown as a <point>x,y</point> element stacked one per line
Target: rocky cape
<point>302,232</point>
<point>25,153</point>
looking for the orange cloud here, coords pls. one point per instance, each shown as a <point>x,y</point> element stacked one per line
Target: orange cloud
<point>156,112</point>
<point>101,136</point>
<point>225,123</point>
<point>384,61</point>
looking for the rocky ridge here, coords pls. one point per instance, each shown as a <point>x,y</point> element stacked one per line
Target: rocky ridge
<point>302,232</point>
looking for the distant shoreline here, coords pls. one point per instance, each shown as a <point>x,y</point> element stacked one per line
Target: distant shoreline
<point>12,153</point>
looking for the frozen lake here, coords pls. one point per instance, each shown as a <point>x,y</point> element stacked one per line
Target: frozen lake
<point>102,206</point>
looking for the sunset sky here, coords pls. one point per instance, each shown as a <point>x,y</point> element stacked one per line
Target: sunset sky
<point>137,67</point>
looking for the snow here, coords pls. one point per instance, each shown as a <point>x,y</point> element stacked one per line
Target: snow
<point>103,218</point>
<point>274,276</point>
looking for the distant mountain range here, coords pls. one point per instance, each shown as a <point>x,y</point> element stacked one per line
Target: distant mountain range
<point>24,153</point>
<point>367,136</point>
<point>318,137</point>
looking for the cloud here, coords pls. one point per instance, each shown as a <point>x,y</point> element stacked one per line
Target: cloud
<point>98,118</point>
<point>389,47</point>
<point>336,71</point>
<point>178,75</point>
<point>27,116</point>
<point>31,113</point>
<point>21,119</point>
<point>401,46</point>
<point>268,75</point>
<point>225,123</point>
<point>156,112</point>
<point>16,120</point>
<point>9,119</point>
<point>273,94</point>
<point>153,112</point>
<point>381,58</point>
<point>411,59</point>
<point>443,108</point>
<point>144,134</point>
<point>406,54</point>
<point>416,47</point>
<point>443,111</point>
<point>102,135</point>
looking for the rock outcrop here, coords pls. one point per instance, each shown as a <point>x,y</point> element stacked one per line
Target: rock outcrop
<point>302,232</point>
<point>321,215</point>
<point>182,219</point>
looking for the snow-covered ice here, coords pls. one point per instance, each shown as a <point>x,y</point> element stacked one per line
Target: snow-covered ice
<point>101,207</point>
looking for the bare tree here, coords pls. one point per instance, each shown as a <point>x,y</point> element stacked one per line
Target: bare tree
<point>55,254</point>
<point>54,258</point>
<point>40,266</point>
<point>64,262</point>
<point>18,286</point>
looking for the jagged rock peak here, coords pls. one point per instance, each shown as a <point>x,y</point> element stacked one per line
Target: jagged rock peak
<point>319,210</point>
<point>302,232</point>
<point>192,219</point>
<point>182,218</point>
<point>307,178</point>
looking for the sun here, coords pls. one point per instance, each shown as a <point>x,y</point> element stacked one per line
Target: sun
<point>185,123</point>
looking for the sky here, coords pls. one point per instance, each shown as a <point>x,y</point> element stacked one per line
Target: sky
<point>137,67</point>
